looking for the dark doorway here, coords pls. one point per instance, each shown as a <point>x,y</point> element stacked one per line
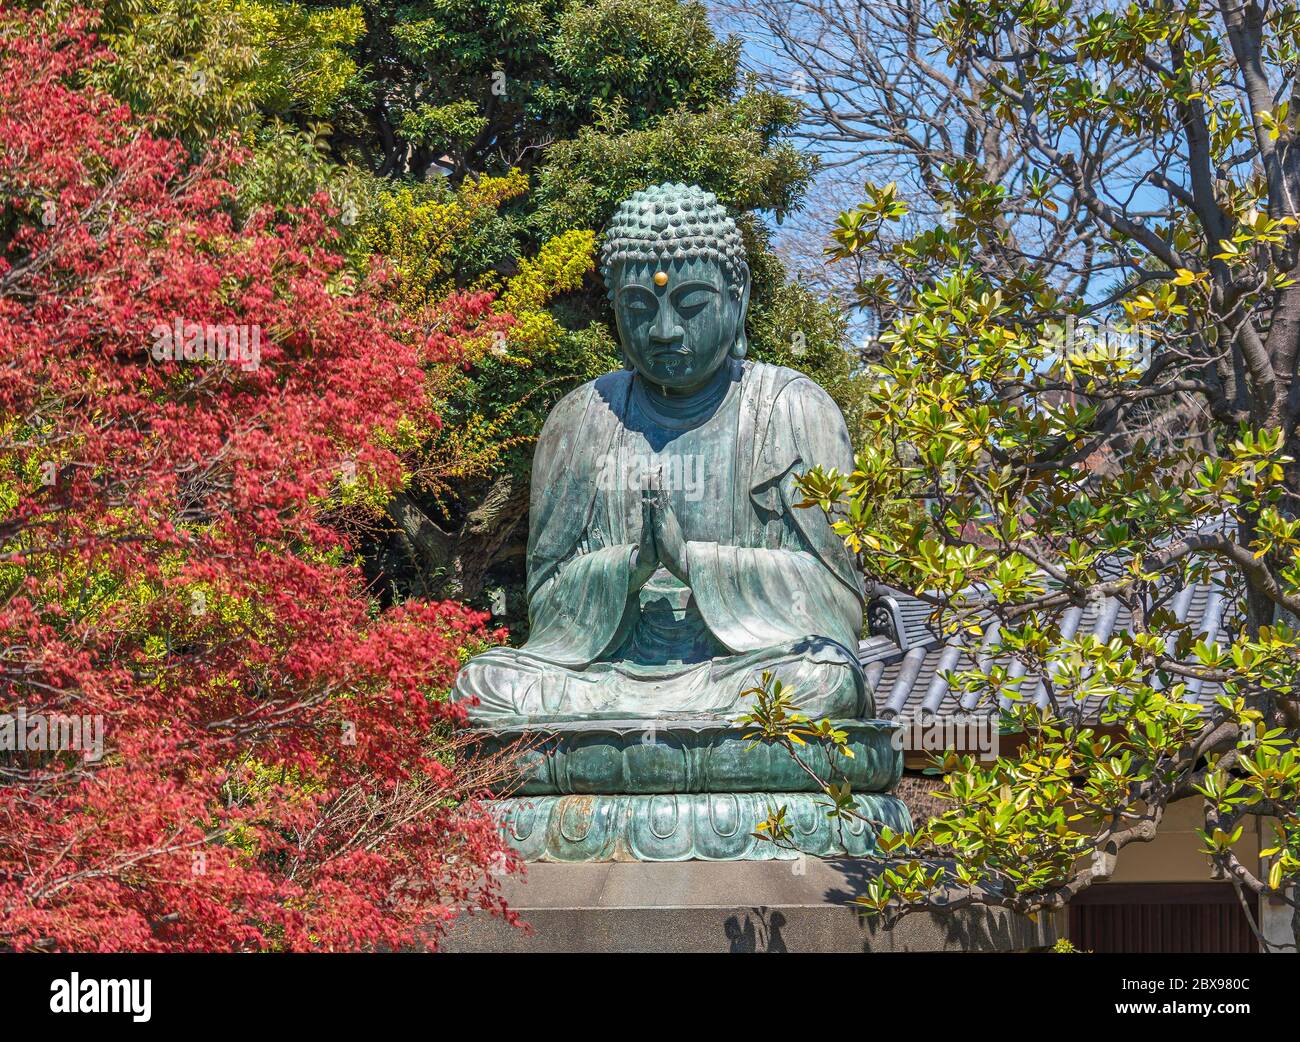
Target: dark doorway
<point>1161,917</point>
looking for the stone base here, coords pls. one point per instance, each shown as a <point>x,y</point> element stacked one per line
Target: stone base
<point>708,826</point>
<point>737,906</point>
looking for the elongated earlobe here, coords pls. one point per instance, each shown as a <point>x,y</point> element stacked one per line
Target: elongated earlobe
<point>740,348</point>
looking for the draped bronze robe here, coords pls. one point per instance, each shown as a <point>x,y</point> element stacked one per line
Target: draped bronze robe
<point>771,587</point>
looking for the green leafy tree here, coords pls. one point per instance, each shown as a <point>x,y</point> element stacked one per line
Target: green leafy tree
<point>589,101</point>
<point>1090,381</point>
<point>203,68</point>
<point>413,116</point>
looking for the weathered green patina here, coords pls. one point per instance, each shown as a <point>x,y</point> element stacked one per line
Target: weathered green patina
<point>708,826</point>
<point>693,755</point>
<point>669,565</point>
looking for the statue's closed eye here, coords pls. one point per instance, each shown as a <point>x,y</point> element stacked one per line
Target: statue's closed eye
<point>691,300</point>
<point>637,300</point>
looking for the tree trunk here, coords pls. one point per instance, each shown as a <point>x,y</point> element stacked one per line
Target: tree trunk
<point>455,564</point>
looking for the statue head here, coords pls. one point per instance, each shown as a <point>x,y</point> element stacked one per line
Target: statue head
<point>675,268</point>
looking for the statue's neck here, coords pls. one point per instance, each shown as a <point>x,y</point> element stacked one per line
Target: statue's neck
<point>687,404</point>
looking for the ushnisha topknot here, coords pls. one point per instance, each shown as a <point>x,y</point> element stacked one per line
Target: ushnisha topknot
<point>673,222</point>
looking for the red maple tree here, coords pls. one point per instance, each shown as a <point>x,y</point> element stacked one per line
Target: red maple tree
<point>181,395</point>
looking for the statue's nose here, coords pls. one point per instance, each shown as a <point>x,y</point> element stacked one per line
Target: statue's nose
<point>666,328</point>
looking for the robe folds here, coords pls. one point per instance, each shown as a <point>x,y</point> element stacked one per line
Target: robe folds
<point>771,586</point>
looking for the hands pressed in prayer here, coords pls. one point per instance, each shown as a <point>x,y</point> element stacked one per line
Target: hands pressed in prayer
<point>669,540</point>
<point>646,559</point>
<point>662,541</point>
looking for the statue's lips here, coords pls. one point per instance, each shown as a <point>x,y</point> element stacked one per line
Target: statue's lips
<point>680,351</point>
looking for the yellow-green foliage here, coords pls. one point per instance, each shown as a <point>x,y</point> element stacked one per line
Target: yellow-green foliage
<point>480,442</point>
<point>476,447</point>
<point>418,228</point>
<point>363,490</point>
<point>559,267</point>
<point>199,67</point>
<point>416,233</point>
<point>302,57</point>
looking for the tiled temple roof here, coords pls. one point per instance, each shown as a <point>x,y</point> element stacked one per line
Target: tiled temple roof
<point>906,659</point>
